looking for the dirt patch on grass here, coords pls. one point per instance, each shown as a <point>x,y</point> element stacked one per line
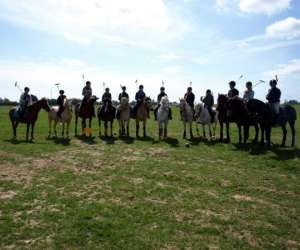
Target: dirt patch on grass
<point>240,198</point>
<point>7,195</point>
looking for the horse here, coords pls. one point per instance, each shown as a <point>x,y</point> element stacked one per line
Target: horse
<point>66,118</point>
<point>142,115</point>
<point>237,112</point>
<point>265,117</point>
<point>87,112</point>
<point>107,114</point>
<point>203,117</point>
<point>187,116</point>
<point>124,117</point>
<point>30,117</point>
<point>163,118</point>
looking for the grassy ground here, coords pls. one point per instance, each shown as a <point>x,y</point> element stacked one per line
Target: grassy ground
<point>146,194</point>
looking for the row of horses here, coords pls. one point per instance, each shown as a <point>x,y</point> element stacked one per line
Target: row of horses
<point>229,110</point>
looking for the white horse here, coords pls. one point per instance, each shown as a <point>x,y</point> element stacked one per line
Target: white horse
<point>187,116</point>
<point>203,117</point>
<point>163,118</point>
<point>124,116</point>
<point>66,118</point>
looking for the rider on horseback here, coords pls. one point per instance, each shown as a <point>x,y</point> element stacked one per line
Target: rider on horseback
<point>209,102</point>
<point>60,102</point>
<point>25,102</point>
<point>140,97</point>
<point>106,99</point>
<point>159,97</point>
<point>233,92</point>
<point>190,97</point>
<point>273,98</point>
<point>87,93</point>
<point>122,95</point>
<point>249,93</point>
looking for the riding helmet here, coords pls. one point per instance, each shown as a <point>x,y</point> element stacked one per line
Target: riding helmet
<point>26,89</point>
<point>61,92</point>
<point>273,82</point>
<point>232,83</point>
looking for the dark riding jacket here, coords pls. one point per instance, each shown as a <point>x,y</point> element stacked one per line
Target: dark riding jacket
<point>25,100</point>
<point>274,95</point>
<point>233,92</point>
<point>190,98</point>
<point>139,96</point>
<point>208,101</point>
<point>60,100</point>
<point>87,92</point>
<point>160,96</point>
<point>106,98</point>
<point>123,94</point>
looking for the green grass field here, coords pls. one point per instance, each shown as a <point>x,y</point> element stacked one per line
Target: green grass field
<point>146,194</point>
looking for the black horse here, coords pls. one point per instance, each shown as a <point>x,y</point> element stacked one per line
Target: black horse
<point>233,111</point>
<point>267,119</point>
<point>107,114</point>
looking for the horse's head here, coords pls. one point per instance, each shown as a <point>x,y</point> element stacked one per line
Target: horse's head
<point>182,103</point>
<point>147,101</point>
<point>199,109</point>
<point>93,99</point>
<point>165,102</point>
<point>124,101</point>
<point>222,102</point>
<point>45,105</point>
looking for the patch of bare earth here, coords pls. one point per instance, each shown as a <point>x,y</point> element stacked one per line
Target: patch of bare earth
<point>7,195</point>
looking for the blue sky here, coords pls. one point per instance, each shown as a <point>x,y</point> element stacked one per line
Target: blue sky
<point>118,41</point>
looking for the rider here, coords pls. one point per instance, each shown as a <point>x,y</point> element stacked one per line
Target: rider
<point>139,97</point>
<point>249,93</point>
<point>60,102</point>
<point>25,101</point>
<point>87,93</point>
<point>106,98</point>
<point>123,94</point>
<point>190,97</point>
<point>209,102</point>
<point>273,97</point>
<point>159,97</point>
<point>233,92</point>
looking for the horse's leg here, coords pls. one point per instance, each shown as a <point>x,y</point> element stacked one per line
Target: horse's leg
<point>284,131</point>
<point>191,130</point>
<point>262,134</point>
<point>268,135</point>
<point>221,131</point>
<point>50,128</point>
<point>14,126</point>
<point>246,133</point>
<point>120,127</point>
<point>76,123</point>
<point>99,125</point>
<point>227,132</point>
<point>127,124</point>
<point>54,128</point>
<point>137,128</point>
<point>83,126</point>
<point>184,130</point>
<point>63,130</point>
<point>68,126</point>
<point>203,129</point>
<point>292,126</point>
<point>197,129</point>
<point>144,128</point>
<point>256,133</point>
<point>105,128</point>
<point>27,132</point>
<point>111,128</point>
<point>240,133</point>
<point>210,133</point>
<point>32,131</point>
<point>90,127</point>
<point>166,130</point>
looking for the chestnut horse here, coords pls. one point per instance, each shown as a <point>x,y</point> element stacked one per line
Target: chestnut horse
<point>87,112</point>
<point>142,115</point>
<point>30,117</point>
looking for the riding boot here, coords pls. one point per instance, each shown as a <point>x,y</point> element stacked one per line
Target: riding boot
<point>170,114</point>
<point>118,114</point>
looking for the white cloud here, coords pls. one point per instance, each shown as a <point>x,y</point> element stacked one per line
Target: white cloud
<point>84,21</point>
<point>283,70</point>
<point>288,28</point>
<point>268,7</point>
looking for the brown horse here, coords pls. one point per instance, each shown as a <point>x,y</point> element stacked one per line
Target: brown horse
<point>107,114</point>
<point>142,115</point>
<point>30,117</point>
<point>87,112</point>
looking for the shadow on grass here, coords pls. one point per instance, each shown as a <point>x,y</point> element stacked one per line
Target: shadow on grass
<point>60,140</point>
<point>145,139</point>
<point>90,140</point>
<point>173,142</point>
<point>197,140</point>
<point>109,140</point>
<point>280,153</point>
<point>127,139</point>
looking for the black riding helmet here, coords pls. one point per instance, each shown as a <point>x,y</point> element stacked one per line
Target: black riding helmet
<point>189,89</point>
<point>88,83</point>
<point>162,89</point>
<point>141,87</point>
<point>232,83</point>
<point>61,92</point>
<point>249,84</point>
<point>123,87</point>
<point>273,82</point>
<point>26,89</point>
<point>107,90</point>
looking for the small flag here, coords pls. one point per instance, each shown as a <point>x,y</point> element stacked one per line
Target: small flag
<point>16,84</point>
<point>191,83</point>
<point>163,83</point>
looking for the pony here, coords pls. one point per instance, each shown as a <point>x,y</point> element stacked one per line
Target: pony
<point>265,117</point>
<point>30,117</point>
<point>66,118</point>
<point>124,117</point>
<point>87,113</point>
<point>237,112</point>
<point>106,113</point>
<point>163,118</point>
<point>142,115</point>
<point>187,116</point>
<point>204,118</point>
